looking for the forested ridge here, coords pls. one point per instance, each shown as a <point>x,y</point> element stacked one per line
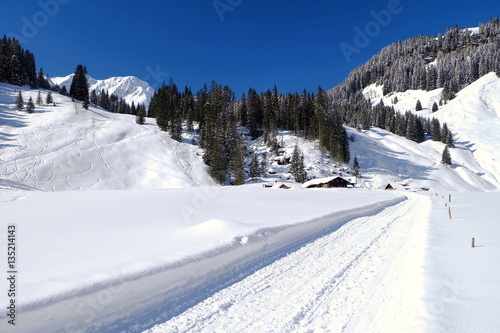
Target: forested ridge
<point>450,61</point>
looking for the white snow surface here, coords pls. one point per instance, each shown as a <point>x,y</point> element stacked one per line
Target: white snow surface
<point>141,252</point>
<point>473,116</point>
<point>129,88</point>
<point>120,228</point>
<point>69,148</point>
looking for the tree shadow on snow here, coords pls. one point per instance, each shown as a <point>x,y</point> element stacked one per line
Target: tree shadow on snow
<point>11,119</point>
<point>377,158</point>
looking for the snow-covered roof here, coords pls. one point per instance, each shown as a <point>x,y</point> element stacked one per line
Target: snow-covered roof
<point>319,181</point>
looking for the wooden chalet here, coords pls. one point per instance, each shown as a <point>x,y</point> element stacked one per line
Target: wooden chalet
<point>329,182</point>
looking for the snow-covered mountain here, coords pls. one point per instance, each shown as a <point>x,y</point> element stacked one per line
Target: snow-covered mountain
<point>473,117</point>
<point>130,88</point>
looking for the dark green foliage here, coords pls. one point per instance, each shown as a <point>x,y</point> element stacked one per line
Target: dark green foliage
<point>49,99</point>
<point>86,104</point>
<point>30,107</point>
<point>20,101</point>
<point>435,107</point>
<point>79,87</point>
<point>449,140</point>
<point>263,165</point>
<point>39,100</point>
<point>141,115</point>
<point>239,167</point>
<point>355,167</point>
<point>297,168</point>
<point>436,130</point>
<point>17,66</point>
<point>418,106</point>
<point>254,167</point>
<point>446,157</point>
<point>42,82</point>
<point>63,91</point>
<point>404,65</point>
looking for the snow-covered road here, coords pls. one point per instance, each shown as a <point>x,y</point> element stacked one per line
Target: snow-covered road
<point>361,278</point>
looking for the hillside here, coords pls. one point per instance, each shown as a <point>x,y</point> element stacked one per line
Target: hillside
<point>69,148</point>
<point>473,118</point>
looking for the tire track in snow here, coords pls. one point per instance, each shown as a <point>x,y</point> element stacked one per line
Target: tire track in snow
<point>323,286</point>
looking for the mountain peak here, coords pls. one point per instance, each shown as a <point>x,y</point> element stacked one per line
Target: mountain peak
<point>130,88</point>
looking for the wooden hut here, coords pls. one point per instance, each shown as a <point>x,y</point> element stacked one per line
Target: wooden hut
<point>329,182</point>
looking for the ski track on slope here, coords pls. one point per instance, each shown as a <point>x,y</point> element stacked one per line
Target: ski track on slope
<point>345,273</point>
<point>175,149</point>
<point>106,165</point>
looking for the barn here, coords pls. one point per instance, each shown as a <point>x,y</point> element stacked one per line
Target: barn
<point>328,182</point>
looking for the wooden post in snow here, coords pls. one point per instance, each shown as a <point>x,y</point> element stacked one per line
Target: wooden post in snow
<point>449,212</point>
<point>473,242</point>
<point>449,199</point>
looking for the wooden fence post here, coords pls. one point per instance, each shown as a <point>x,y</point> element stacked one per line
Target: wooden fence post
<point>473,241</point>
<point>449,212</point>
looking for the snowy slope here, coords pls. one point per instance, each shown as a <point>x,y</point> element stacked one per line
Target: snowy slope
<point>69,148</point>
<point>473,116</point>
<point>130,88</point>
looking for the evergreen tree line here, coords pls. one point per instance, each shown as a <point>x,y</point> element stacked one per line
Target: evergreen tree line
<point>450,61</point>
<point>30,106</point>
<point>219,113</point>
<point>408,125</point>
<point>115,104</point>
<point>17,66</point>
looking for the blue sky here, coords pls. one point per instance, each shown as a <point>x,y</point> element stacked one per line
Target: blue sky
<point>244,43</point>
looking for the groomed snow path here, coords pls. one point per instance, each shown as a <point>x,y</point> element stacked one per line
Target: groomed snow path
<point>360,278</point>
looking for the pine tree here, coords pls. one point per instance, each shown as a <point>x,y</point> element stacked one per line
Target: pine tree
<point>42,81</point>
<point>435,107</point>
<point>79,87</point>
<point>141,115</point>
<point>446,158</point>
<point>30,107</point>
<point>356,166</point>
<point>418,106</point>
<point>49,99</point>
<point>263,166</point>
<point>39,100</point>
<point>20,101</point>
<point>239,168</point>
<point>86,103</point>
<point>436,130</point>
<point>297,166</point>
<point>254,166</point>
<point>449,140</point>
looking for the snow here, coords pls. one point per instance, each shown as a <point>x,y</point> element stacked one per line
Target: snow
<point>353,276</point>
<point>473,118</point>
<point>461,282</point>
<point>120,228</point>
<point>106,238</point>
<point>129,88</point>
<point>69,148</point>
